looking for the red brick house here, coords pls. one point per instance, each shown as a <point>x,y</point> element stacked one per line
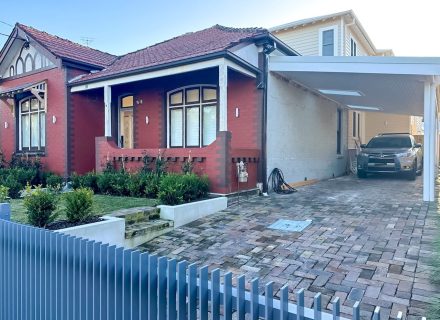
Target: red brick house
<point>200,95</point>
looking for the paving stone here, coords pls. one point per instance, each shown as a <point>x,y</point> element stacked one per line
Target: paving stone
<point>369,239</point>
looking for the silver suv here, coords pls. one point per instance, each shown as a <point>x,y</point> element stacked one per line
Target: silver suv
<point>391,153</point>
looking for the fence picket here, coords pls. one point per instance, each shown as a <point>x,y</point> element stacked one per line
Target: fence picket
<point>227,296</point>
<point>356,311</point>
<point>376,314</point>
<point>268,295</point>
<point>284,303</point>
<point>254,299</point>
<point>192,292</point>
<point>336,308</point>
<point>143,295</point>
<point>152,287</point>
<point>111,283</point>
<point>119,276</point>
<point>162,287</point>
<point>241,304</point>
<point>135,285</point>
<point>215,294</point>
<point>203,293</point>
<point>172,289</point>
<point>317,306</point>
<point>181,290</point>
<point>300,304</point>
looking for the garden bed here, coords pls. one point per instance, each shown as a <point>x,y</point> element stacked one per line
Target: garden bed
<point>109,230</point>
<point>63,224</point>
<point>188,212</point>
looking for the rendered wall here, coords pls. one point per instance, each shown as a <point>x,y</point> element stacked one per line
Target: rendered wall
<point>379,122</point>
<point>301,133</point>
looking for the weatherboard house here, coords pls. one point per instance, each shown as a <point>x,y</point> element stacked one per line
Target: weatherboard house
<point>215,97</point>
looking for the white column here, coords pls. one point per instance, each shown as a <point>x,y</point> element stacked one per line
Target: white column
<point>429,142</point>
<point>223,96</point>
<point>108,111</point>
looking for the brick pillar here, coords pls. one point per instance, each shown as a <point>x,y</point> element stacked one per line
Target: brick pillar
<point>222,181</point>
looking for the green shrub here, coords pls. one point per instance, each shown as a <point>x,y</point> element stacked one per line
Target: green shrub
<point>89,180</point>
<point>4,194</point>
<point>136,185</point>
<point>13,186</point>
<point>115,183</point>
<point>79,204</point>
<point>177,188</point>
<point>40,205</point>
<point>152,182</point>
<point>54,181</point>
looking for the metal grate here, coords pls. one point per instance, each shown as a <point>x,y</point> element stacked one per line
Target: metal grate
<point>290,225</point>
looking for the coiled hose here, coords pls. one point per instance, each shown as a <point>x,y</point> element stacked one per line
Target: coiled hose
<point>277,183</point>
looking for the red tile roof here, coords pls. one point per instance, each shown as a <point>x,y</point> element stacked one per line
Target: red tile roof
<point>190,45</point>
<point>69,50</point>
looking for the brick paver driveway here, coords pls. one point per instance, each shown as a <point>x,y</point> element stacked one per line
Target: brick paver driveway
<point>370,240</point>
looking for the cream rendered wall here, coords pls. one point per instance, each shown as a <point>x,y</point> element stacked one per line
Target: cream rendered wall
<point>301,137</point>
<point>305,39</point>
<point>379,122</point>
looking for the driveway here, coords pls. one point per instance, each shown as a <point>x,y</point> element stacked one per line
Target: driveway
<point>369,240</point>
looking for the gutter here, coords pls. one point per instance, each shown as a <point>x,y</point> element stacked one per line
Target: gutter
<point>210,56</point>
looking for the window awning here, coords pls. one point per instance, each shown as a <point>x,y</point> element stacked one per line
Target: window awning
<point>34,87</point>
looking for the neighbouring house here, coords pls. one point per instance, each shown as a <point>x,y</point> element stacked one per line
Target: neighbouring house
<point>36,112</point>
<point>342,34</point>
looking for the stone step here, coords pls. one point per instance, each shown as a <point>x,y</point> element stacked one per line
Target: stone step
<point>143,228</point>
<point>137,215</point>
<point>143,232</point>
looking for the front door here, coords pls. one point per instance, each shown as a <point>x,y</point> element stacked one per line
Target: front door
<point>126,128</point>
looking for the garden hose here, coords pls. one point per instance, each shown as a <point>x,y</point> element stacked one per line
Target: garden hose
<point>277,183</point>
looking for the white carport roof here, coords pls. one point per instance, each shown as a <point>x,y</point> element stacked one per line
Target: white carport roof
<point>388,84</point>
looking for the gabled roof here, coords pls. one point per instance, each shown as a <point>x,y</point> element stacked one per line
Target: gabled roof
<point>349,13</point>
<point>307,21</point>
<point>189,45</point>
<point>66,49</point>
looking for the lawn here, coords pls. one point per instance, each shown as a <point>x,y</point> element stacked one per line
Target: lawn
<point>102,204</point>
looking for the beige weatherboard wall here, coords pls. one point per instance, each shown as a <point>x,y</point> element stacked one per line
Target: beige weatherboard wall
<point>350,39</point>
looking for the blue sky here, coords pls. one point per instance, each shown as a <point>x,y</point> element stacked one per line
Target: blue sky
<point>407,27</point>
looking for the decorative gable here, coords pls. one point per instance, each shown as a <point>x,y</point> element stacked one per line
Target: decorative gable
<point>23,59</point>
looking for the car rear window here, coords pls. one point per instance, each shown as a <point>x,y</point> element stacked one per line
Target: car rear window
<point>390,142</point>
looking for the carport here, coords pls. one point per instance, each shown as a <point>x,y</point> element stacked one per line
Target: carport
<point>397,85</point>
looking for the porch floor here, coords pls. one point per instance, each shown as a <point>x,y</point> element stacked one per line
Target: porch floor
<point>369,240</point>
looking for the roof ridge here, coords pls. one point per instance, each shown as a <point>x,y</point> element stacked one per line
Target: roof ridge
<point>63,39</point>
<point>216,26</point>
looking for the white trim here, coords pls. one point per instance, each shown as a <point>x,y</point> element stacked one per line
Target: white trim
<point>360,64</point>
<point>335,39</point>
<point>107,111</point>
<point>429,142</point>
<point>223,97</point>
<point>162,73</point>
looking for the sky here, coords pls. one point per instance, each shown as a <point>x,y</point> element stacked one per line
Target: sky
<point>407,27</point>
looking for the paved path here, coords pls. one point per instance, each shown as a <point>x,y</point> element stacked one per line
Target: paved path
<point>369,240</point>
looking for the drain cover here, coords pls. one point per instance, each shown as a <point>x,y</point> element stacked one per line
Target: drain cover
<point>290,225</point>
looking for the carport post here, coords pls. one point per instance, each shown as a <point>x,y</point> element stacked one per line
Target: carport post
<point>430,139</point>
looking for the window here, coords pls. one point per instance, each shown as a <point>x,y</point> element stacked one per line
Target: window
<point>28,63</point>
<point>339,132</point>
<point>192,116</point>
<point>359,125</point>
<point>19,67</point>
<point>328,41</point>
<point>32,125</point>
<point>353,48</point>
<point>11,71</point>
<point>354,124</point>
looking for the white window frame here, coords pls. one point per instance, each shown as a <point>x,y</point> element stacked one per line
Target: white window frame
<point>39,112</point>
<point>335,39</point>
<point>353,41</point>
<point>201,104</point>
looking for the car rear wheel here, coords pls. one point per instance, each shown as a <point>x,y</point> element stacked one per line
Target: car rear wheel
<point>361,174</point>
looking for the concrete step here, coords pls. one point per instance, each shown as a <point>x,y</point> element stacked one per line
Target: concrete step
<point>137,215</point>
<point>141,232</point>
